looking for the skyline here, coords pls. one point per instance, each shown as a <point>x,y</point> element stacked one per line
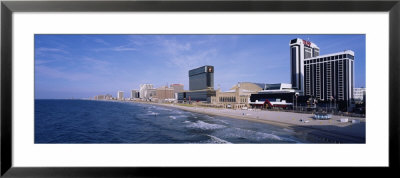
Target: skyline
<point>83,66</point>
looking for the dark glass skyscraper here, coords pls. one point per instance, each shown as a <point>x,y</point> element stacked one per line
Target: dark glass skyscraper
<point>201,78</point>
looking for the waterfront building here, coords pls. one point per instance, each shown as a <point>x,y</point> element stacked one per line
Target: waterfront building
<point>146,90</point>
<point>237,97</point>
<point>177,87</point>
<point>108,97</point>
<point>326,78</point>
<point>120,95</point>
<point>299,51</point>
<point>359,94</point>
<point>101,97</point>
<point>163,93</point>
<point>201,85</point>
<point>201,78</point>
<point>277,95</point>
<point>330,77</point>
<point>134,94</point>
<point>253,87</point>
<point>197,95</point>
<point>150,94</point>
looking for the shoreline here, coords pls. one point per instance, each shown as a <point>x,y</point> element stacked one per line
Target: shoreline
<point>314,131</point>
<point>318,131</point>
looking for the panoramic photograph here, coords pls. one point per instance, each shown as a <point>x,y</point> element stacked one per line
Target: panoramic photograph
<point>200,89</point>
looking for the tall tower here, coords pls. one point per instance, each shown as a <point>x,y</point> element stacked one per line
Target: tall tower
<point>299,50</point>
<point>120,95</point>
<point>201,78</point>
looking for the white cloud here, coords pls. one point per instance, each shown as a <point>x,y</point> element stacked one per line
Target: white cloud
<point>101,41</point>
<point>41,50</point>
<point>117,48</point>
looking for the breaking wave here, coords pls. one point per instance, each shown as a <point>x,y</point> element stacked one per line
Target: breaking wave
<point>214,139</point>
<point>205,126</point>
<point>250,134</point>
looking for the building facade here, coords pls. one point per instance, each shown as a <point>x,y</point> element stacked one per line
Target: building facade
<point>359,94</point>
<point>275,95</point>
<point>201,78</point>
<point>330,77</point>
<point>237,97</point>
<point>108,97</point>
<point>197,95</point>
<point>120,95</point>
<point>299,51</point>
<point>201,85</point>
<point>163,93</point>
<point>145,90</point>
<point>134,94</point>
<point>177,87</point>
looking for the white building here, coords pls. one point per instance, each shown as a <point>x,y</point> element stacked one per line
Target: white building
<point>359,94</point>
<point>330,76</point>
<point>120,95</point>
<point>299,50</point>
<point>134,94</point>
<point>146,90</point>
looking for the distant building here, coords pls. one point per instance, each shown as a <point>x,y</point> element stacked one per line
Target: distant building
<point>151,93</point>
<point>177,87</point>
<point>120,95</point>
<point>108,97</point>
<point>197,95</point>
<point>134,94</point>
<point>201,85</point>
<point>276,95</point>
<point>145,91</point>
<point>101,97</point>
<point>201,78</point>
<point>237,97</point>
<point>164,92</point>
<point>359,94</point>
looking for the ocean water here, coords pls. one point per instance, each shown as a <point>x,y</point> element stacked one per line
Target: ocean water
<point>86,121</point>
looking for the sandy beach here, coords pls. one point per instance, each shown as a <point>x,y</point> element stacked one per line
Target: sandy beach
<point>318,131</point>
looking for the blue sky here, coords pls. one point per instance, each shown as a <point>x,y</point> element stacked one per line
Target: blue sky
<point>83,66</point>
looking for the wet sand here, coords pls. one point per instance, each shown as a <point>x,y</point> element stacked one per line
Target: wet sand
<point>317,131</point>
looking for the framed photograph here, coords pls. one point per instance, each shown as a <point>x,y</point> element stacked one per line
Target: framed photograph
<point>103,88</point>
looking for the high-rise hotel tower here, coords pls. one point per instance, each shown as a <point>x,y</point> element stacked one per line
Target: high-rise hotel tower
<point>201,78</point>
<point>330,76</point>
<point>324,77</point>
<point>300,50</point>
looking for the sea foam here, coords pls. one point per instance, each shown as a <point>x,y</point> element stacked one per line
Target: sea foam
<point>205,126</point>
<point>214,139</point>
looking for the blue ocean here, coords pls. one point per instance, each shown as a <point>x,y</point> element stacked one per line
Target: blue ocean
<point>89,121</point>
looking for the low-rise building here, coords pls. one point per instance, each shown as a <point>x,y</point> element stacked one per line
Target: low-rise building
<point>177,87</point>
<point>237,97</point>
<point>359,94</point>
<point>134,94</point>
<point>163,93</point>
<point>196,95</point>
<point>276,95</point>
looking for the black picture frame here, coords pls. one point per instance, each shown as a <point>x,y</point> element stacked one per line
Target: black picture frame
<point>8,7</point>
